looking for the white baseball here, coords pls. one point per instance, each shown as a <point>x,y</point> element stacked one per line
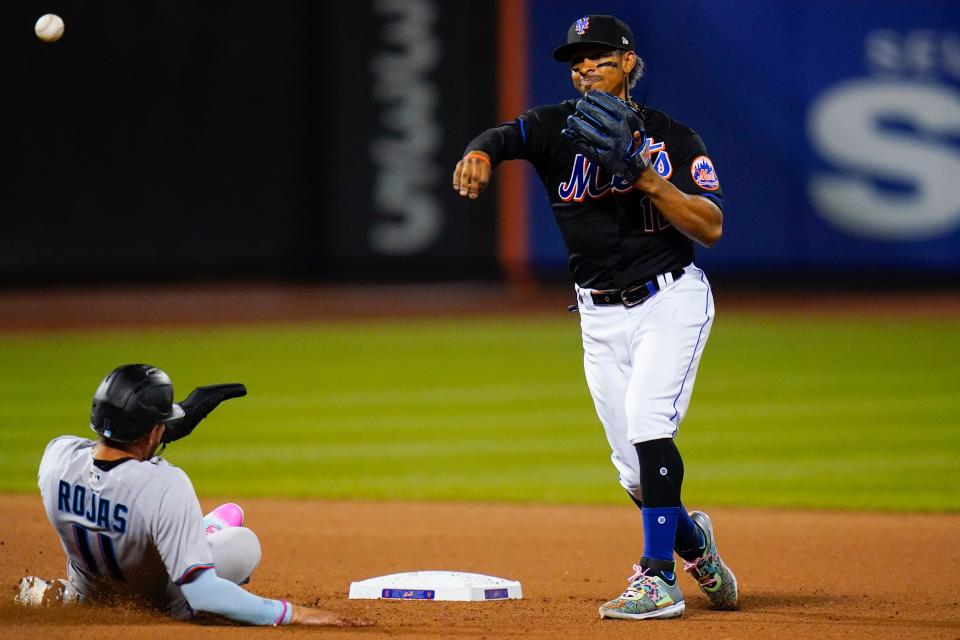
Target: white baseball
<point>49,28</point>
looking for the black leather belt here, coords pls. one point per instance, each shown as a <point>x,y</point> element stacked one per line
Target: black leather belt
<point>633,295</point>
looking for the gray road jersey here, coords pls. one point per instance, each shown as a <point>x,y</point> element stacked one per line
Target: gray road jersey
<point>133,531</point>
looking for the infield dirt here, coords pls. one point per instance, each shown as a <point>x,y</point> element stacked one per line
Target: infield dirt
<point>803,574</point>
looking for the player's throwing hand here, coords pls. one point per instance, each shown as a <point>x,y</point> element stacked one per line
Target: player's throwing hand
<point>472,174</point>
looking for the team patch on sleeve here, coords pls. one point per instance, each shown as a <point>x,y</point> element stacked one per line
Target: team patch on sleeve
<point>704,174</point>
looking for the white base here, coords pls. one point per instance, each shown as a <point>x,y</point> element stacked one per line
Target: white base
<point>436,585</point>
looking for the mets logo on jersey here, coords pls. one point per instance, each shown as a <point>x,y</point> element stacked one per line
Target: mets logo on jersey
<point>586,180</point>
<point>704,174</point>
<point>582,25</point>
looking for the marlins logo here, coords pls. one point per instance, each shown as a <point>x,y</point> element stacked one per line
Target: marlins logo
<point>582,25</point>
<point>704,174</point>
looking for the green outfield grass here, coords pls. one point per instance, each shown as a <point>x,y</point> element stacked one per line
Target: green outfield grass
<point>831,413</point>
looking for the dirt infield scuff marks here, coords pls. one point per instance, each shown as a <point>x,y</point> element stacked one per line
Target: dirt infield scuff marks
<point>803,574</point>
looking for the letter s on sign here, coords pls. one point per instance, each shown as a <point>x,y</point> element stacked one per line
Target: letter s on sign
<point>844,125</point>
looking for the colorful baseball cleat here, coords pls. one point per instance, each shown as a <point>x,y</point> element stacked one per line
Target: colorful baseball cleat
<point>226,515</point>
<point>37,592</point>
<point>714,577</point>
<point>651,594</point>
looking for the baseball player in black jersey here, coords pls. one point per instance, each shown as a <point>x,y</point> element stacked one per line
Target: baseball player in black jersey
<point>632,190</point>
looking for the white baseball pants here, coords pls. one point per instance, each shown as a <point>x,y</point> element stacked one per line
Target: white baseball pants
<point>641,363</point>
<point>236,553</point>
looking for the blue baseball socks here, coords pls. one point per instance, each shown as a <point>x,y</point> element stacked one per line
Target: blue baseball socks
<point>666,523</point>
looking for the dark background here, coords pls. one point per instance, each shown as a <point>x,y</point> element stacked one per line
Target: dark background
<point>314,142</point>
<point>233,139</point>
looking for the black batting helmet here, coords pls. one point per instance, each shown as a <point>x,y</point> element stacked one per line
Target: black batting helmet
<point>130,400</point>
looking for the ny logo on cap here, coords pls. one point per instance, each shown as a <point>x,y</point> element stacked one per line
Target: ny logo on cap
<point>582,25</point>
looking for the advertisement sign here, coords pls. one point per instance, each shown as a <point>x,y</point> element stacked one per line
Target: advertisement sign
<point>834,126</point>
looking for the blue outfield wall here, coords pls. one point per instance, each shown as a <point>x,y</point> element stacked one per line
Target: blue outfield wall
<point>834,124</point>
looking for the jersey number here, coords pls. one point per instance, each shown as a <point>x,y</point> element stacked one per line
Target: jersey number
<point>653,220</point>
<point>81,536</point>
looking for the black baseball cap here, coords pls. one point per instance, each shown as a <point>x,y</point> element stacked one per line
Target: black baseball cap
<point>598,30</point>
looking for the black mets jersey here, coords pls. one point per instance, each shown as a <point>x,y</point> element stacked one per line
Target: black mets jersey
<point>614,234</point>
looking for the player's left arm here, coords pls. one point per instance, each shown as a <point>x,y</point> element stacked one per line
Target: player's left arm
<point>695,216</point>
<point>611,133</point>
<point>691,199</point>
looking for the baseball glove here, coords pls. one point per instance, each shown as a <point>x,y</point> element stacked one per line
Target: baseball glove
<point>602,130</point>
<point>198,406</point>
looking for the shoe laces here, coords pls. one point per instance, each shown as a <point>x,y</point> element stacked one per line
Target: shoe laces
<point>706,568</point>
<point>643,581</point>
